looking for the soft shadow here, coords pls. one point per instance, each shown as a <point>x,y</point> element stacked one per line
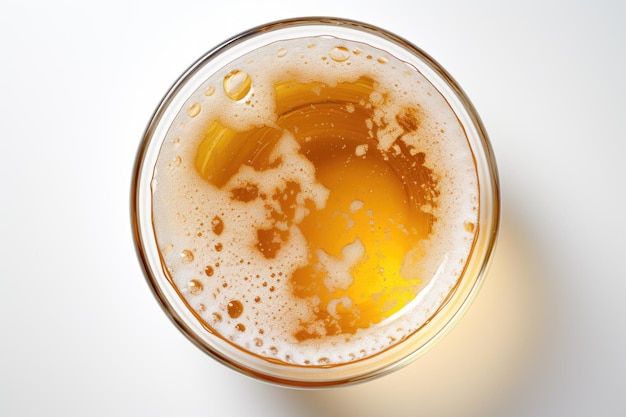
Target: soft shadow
<point>480,367</point>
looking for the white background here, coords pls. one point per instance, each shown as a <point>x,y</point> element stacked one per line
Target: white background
<point>80,332</point>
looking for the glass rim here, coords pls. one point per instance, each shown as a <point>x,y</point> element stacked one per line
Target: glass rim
<point>360,370</point>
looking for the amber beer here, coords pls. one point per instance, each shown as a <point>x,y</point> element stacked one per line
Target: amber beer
<point>315,202</point>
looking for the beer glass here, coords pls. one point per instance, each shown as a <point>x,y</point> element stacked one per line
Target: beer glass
<point>315,202</point>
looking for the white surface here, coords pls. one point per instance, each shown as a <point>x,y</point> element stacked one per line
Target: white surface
<point>81,334</point>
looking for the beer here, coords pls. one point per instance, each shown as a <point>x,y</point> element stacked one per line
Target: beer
<point>314,201</point>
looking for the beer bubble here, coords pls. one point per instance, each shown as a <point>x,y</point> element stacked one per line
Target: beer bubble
<point>209,91</point>
<point>382,60</point>
<point>208,270</point>
<point>195,287</point>
<point>240,327</point>
<point>281,52</point>
<point>186,256</point>
<point>339,54</point>
<point>194,110</point>
<point>234,308</point>
<point>217,225</point>
<point>237,84</point>
<point>361,150</point>
<point>176,161</point>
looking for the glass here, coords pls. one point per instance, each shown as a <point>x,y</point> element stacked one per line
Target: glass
<point>346,45</point>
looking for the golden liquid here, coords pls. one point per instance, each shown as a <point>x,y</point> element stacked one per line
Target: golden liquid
<point>379,200</point>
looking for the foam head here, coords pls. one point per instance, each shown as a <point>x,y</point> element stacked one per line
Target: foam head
<point>314,201</point>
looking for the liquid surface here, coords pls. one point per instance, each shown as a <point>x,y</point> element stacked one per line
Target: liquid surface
<point>319,213</point>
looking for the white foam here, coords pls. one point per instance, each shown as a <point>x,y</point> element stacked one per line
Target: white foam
<point>356,205</point>
<point>185,205</point>
<point>361,150</point>
<point>337,270</point>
